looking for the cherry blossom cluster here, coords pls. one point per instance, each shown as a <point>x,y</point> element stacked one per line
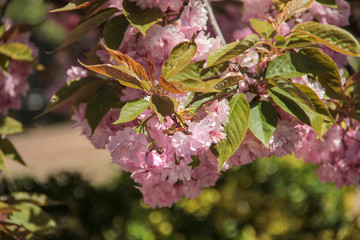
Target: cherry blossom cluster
<point>167,161</point>
<point>13,84</point>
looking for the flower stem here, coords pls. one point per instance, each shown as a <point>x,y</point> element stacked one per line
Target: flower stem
<point>213,21</point>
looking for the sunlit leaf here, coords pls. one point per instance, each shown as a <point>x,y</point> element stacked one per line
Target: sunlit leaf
<point>293,7</point>
<point>121,73</point>
<point>235,129</point>
<point>331,36</point>
<point>32,217</point>
<point>180,56</point>
<point>264,28</point>
<point>263,121</point>
<point>86,26</point>
<point>195,70</point>
<point>17,51</point>
<point>9,125</point>
<point>195,100</point>
<point>114,31</point>
<point>131,110</point>
<point>231,50</point>
<point>142,19</point>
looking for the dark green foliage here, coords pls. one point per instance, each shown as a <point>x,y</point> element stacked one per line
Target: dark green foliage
<point>277,199</point>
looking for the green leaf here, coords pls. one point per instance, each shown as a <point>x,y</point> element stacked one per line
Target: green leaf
<point>114,31</point>
<point>195,85</point>
<point>4,63</point>
<point>163,105</point>
<point>231,50</point>
<point>293,7</point>
<point>142,19</point>
<point>32,217</point>
<point>328,3</point>
<point>195,70</point>
<point>9,151</point>
<point>263,121</point>
<point>235,129</point>
<point>77,90</point>
<point>9,125</point>
<point>331,36</point>
<point>301,102</point>
<point>180,56</point>
<point>86,26</point>
<point>77,4</point>
<point>330,79</point>
<point>264,28</point>
<point>131,110</point>
<point>100,103</point>
<point>294,64</point>
<point>35,198</point>
<point>17,51</point>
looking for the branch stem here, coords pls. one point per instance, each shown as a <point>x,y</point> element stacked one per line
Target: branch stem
<point>213,21</point>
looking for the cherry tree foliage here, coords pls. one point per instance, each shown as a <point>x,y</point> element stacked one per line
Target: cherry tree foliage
<point>175,105</point>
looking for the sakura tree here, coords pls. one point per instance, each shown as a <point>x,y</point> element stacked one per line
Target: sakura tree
<point>176,106</point>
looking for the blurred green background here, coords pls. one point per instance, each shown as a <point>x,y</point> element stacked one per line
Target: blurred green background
<point>268,199</point>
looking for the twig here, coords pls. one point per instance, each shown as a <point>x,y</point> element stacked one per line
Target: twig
<point>3,9</point>
<point>213,21</point>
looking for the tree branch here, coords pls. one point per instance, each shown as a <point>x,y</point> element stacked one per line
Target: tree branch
<point>213,21</point>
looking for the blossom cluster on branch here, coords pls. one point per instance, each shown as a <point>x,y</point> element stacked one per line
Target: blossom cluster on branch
<point>177,106</point>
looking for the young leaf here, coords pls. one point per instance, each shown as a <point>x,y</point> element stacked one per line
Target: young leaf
<point>76,4</point>
<point>77,90</point>
<point>231,50</point>
<point>9,151</point>
<point>280,41</point>
<point>228,82</point>
<point>128,62</point>
<point>330,79</point>
<point>264,28</point>
<point>121,73</point>
<point>235,129</point>
<point>86,26</point>
<point>164,105</point>
<point>114,31</point>
<point>263,121</point>
<point>171,87</point>
<point>180,56</point>
<point>294,64</point>
<point>9,126</point>
<point>331,36</point>
<point>142,19</point>
<point>100,103</point>
<point>17,51</point>
<point>131,110</point>
<point>293,7</point>
<point>328,3</point>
